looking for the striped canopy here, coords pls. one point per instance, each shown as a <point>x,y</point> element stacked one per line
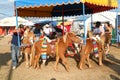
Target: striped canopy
<point>53,8</point>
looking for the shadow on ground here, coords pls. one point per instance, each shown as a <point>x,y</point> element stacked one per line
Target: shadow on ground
<point>113,63</point>
<point>4,58</point>
<point>114,77</point>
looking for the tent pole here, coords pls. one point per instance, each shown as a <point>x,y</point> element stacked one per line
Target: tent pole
<point>51,18</point>
<point>16,13</point>
<point>17,22</point>
<point>91,22</point>
<point>63,18</point>
<point>85,28</point>
<point>51,21</point>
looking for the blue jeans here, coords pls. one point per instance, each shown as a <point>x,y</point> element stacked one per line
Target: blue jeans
<point>15,50</point>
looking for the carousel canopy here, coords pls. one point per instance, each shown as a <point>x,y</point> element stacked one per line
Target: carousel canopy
<point>53,8</point>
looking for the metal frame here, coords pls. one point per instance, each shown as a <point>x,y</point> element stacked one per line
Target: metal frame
<point>16,12</point>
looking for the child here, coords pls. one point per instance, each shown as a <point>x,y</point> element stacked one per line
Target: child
<point>97,31</point>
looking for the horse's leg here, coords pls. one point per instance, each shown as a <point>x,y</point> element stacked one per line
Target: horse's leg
<point>88,59</point>
<point>103,52</point>
<point>34,62</point>
<point>100,57</point>
<point>56,63</point>
<point>64,61</point>
<point>82,60</point>
<point>22,53</point>
<point>82,55</point>
<point>103,47</point>
<point>85,55</point>
<point>37,61</point>
<point>31,58</point>
<point>27,59</point>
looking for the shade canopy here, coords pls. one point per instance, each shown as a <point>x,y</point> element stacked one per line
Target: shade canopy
<point>11,21</point>
<point>53,8</point>
<point>51,23</point>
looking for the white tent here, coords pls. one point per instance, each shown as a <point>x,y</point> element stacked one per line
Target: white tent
<point>102,17</point>
<point>11,21</point>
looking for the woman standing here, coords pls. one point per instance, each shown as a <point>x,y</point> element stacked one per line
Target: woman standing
<point>108,35</point>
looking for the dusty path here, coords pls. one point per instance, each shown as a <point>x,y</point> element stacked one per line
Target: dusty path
<point>109,71</point>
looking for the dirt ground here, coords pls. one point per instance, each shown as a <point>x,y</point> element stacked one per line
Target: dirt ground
<point>109,71</point>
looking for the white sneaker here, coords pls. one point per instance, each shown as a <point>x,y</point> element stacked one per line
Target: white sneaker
<point>14,67</point>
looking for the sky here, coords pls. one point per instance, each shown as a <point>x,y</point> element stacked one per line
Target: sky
<point>7,8</point>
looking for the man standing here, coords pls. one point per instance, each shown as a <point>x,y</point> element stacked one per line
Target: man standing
<point>15,47</point>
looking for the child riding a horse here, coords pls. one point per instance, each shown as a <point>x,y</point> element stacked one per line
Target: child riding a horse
<point>45,40</point>
<point>97,32</point>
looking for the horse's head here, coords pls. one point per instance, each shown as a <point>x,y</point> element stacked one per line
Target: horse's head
<point>70,36</point>
<point>89,34</point>
<point>31,37</point>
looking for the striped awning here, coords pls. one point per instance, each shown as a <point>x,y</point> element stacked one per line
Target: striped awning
<point>52,8</point>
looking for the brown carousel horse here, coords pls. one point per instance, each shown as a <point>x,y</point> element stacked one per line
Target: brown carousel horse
<point>89,47</point>
<point>59,49</point>
<point>26,45</point>
<point>61,46</point>
<point>39,49</point>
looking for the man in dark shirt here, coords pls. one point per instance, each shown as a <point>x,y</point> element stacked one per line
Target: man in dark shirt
<point>15,47</point>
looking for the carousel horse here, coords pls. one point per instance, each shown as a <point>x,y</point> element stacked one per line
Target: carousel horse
<point>55,48</point>
<point>61,46</point>
<point>95,45</point>
<point>41,49</point>
<point>26,45</point>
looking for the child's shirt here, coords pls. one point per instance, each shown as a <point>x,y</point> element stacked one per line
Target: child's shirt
<point>96,31</point>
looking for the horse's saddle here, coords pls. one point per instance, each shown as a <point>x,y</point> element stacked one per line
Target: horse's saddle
<point>53,46</point>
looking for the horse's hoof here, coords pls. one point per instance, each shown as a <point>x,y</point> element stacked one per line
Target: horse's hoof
<point>67,70</point>
<point>101,64</point>
<point>27,66</point>
<point>38,68</point>
<point>55,68</point>
<point>90,66</point>
<point>81,68</point>
<point>34,67</point>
